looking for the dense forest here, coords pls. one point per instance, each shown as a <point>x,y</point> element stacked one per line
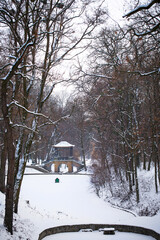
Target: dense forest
<point>113,117</point>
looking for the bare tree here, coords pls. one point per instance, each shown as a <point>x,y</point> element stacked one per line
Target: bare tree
<point>116,86</point>
<point>40,34</point>
<point>147,18</point>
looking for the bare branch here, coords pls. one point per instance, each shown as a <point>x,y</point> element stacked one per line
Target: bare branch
<point>40,115</point>
<point>144,74</point>
<point>156,27</point>
<point>140,8</point>
<point>30,112</point>
<point>25,127</point>
<point>18,61</point>
<point>50,92</point>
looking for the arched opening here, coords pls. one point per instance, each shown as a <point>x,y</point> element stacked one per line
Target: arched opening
<point>75,169</point>
<point>63,168</point>
<point>53,167</point>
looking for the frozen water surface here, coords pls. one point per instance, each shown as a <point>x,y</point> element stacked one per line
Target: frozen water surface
<point>97,236</point>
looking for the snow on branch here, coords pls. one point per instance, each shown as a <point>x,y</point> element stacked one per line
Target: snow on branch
<point>123,136</point>
<point>156,27</point>
<point>30,112</point>
<point>5,66</point>
<point>39,115</point>
<point>141,7</point>
<point>145,74</point>
<point>97,75</point>
<point>24,126</point>
<point>48,95</point>
<point>11,72</point>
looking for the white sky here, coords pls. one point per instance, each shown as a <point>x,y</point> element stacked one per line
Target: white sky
<point>116,10</point>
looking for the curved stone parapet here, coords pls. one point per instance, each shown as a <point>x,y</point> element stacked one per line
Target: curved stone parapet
<point>76,228</point>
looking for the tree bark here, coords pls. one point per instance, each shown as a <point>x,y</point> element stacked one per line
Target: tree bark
<point>22,165</point>
<point>8,219</point>
<point>18,183</point>
<point>136,181</point>
<point>83,151</point>
<point>2,169</point>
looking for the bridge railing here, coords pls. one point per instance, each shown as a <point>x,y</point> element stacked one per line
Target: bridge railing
<point>62,158</point>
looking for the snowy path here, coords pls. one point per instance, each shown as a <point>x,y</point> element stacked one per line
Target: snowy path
<point>71,201</point>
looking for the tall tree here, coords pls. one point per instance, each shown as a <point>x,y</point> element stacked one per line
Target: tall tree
<point>41,34</point>
<point>122,68</point>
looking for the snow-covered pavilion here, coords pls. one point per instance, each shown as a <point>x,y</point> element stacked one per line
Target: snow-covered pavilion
<point>63,154</point>
<point>63,150</point>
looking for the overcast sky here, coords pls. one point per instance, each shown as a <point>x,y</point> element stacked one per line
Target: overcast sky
<point>116,9</point>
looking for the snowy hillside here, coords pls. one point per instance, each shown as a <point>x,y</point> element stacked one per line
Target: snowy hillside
<point>149,204</point>
<point>44,204</point>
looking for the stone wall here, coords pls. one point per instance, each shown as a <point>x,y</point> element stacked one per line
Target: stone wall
<point>76,228</point>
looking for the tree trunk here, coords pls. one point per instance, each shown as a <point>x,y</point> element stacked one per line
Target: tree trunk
<point>136,180</point>
<point>18,183</point>
<point>129,178</point>
<point>22,165</point>
<point>128,171</point>
<point>132,169</point>
<point>158,171</point>
<point>83,151</point>
<point>2,169</point>
<point>149,163</point>
<point>144,160</point>
<point>155,177</point>
<point>8,219</point>
<point>154,152</point>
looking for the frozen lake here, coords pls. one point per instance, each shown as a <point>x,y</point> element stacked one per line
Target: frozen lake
<point>72,201</point>
<point>72,197</point>
<point>96,235</point>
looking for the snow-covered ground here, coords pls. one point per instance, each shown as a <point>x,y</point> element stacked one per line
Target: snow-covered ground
<point>98,235</point>
<point>44,204</point>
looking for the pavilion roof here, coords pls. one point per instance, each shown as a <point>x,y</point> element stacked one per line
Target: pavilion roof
<point>64,144</point>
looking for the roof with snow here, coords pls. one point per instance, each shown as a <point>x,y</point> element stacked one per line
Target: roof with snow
<point>64,144</point>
